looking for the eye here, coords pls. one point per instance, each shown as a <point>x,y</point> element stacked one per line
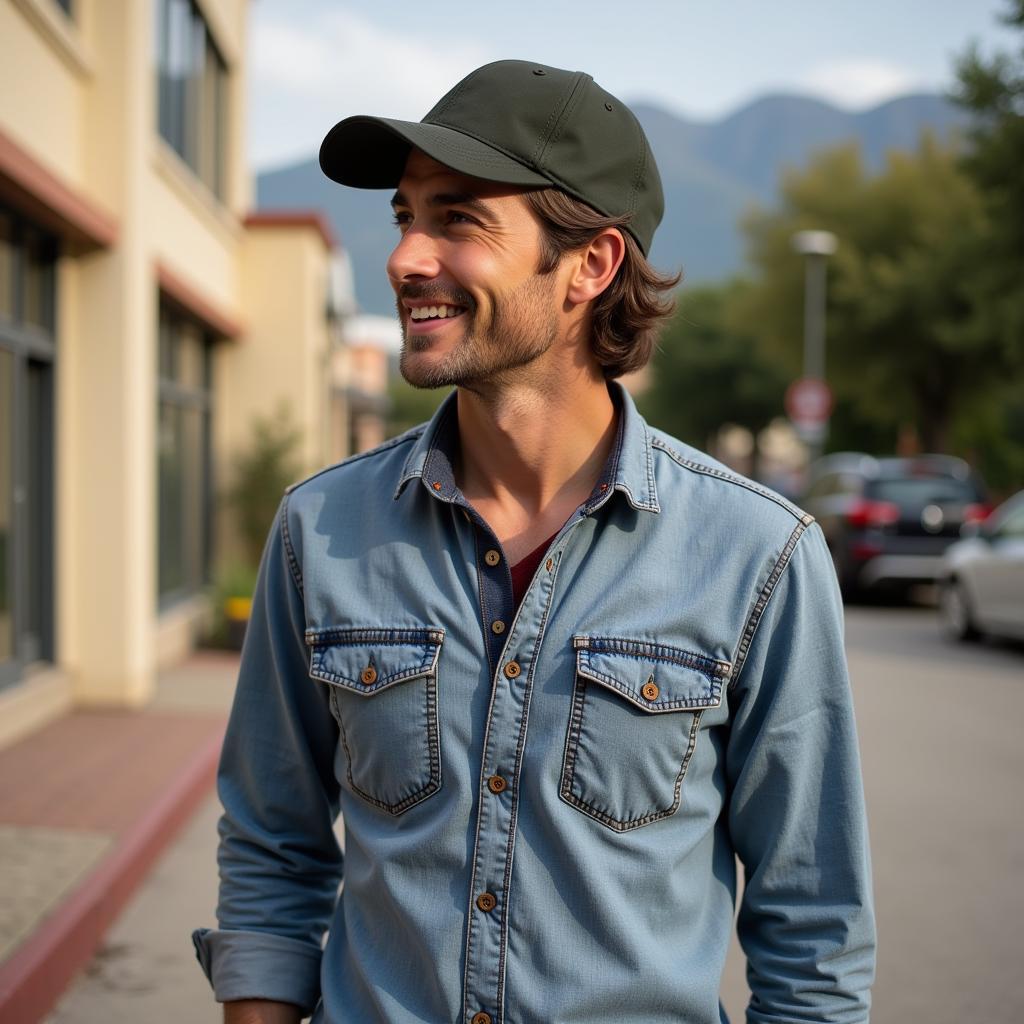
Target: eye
<point>401,218</point>
<point>457,217</point>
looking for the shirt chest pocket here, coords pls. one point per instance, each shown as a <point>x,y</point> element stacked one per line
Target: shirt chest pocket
<point>383,693</point>
<point>634,722</point>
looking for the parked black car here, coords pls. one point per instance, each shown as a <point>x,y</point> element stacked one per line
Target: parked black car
<point>888,521</point>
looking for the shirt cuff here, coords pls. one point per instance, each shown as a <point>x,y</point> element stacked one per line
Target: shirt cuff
<point>259,965</point>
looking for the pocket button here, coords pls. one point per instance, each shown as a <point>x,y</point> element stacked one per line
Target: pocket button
<point>368,675</point>
<point>650,690</point>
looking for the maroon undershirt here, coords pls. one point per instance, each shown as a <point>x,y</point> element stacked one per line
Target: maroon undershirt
<point>523,570</point>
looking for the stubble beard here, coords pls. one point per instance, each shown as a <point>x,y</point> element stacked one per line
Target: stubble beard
<point>524,328</point>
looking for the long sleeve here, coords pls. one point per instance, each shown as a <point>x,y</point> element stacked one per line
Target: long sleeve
<point>280,863</point>
<point>796,814</point>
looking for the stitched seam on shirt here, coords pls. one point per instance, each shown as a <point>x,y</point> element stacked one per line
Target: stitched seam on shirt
<point>579,802</point>
<point>286,537</point>
<point>643,649</point>
<point>651,707</point>
<point>492,663</point>
<point>762,602</point>
<point>514,815</point>
<point>652,494</point>
<point>482,808</point>
<point>346,636</point>
<point>433,783</point>
<point>720,474</point>
<point>360,689</point>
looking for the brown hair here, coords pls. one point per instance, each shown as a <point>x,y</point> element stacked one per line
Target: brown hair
<point>626,316</point>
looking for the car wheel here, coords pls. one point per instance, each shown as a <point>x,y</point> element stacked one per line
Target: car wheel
<point>955,611</point>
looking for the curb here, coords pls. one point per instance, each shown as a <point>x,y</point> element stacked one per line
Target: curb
<point>33,979</point>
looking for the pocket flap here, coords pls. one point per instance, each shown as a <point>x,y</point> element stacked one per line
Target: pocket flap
<point>366,661</point>
<point>654,677</point>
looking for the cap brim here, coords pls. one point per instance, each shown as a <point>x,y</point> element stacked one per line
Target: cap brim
<point>370,152</point>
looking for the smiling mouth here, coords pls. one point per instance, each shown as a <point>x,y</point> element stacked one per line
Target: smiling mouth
<point>442,312</point>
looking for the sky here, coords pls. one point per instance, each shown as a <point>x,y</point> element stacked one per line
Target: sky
<point>313,62</point>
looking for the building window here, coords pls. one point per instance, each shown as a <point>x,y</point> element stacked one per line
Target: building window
<point>192,90</point>
<point>184,476</point>
<point>27,353</point>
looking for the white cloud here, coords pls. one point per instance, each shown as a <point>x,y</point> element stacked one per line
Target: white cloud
<point>307,75</point>
<point>859,82</point>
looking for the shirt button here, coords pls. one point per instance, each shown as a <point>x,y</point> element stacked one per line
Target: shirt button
<point>486,902</point>
<point>497,626</point>
<point>481,1018</point>
<point>496,784</point>
<point>512,669</point>
<point>368,675</point>
<point>492,557</point>
<point>650,691</point>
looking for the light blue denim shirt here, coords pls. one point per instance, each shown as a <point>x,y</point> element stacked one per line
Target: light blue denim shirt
<point>542,806</point>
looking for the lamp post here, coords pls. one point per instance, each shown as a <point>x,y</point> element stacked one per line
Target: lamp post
<point>815,247</point>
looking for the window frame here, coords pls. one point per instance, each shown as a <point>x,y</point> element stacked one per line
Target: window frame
<point>196,523</point>
<point>30,569</point>
<point>190,64</point>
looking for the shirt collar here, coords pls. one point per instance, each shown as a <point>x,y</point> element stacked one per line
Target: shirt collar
<point>629,469</point>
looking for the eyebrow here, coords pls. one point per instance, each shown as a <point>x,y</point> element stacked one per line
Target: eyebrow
<point>467,199</point>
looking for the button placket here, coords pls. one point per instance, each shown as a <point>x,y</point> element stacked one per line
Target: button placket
<point>496,824</point>
<point>495,586</point>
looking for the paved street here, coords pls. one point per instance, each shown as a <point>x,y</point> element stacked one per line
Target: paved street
<point>940,728</point>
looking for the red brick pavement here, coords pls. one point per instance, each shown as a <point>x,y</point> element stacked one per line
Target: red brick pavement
<point>134,775</point>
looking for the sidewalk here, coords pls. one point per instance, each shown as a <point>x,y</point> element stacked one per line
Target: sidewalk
<point>86,806</point>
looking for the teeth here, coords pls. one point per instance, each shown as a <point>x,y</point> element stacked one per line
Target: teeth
<point>431,312</point>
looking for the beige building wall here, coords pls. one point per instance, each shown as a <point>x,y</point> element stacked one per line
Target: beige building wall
<point>81,155</point>
<point>284,271</point>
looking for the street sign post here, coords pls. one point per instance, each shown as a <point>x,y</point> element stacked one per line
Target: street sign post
<point>808,405</point>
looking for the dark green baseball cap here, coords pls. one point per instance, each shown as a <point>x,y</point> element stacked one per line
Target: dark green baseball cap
<point>521,124</point>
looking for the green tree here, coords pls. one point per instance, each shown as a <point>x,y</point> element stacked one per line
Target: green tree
<point>260,473</point>
<point>708,371</point>
<point>992,90</point>
<point>906,346</point>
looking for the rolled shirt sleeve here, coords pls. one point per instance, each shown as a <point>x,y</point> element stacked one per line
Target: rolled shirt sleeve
<point>279,859</point>
<point>796,813</point>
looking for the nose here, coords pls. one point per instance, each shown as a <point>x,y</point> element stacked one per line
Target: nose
<point>414,258</point>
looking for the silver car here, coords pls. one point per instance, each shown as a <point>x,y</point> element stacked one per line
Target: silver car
<point>982,581</point>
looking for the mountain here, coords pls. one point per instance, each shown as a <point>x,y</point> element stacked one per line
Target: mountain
<point>712,173</point>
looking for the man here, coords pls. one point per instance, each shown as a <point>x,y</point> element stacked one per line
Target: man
<point>555,668</point>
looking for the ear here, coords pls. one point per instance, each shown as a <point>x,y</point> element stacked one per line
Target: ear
<point>595,266</point>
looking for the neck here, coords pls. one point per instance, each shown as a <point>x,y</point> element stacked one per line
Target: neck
<point>531,454</point>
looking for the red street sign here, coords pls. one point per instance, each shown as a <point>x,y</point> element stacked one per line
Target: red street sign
<point>808,402</point>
